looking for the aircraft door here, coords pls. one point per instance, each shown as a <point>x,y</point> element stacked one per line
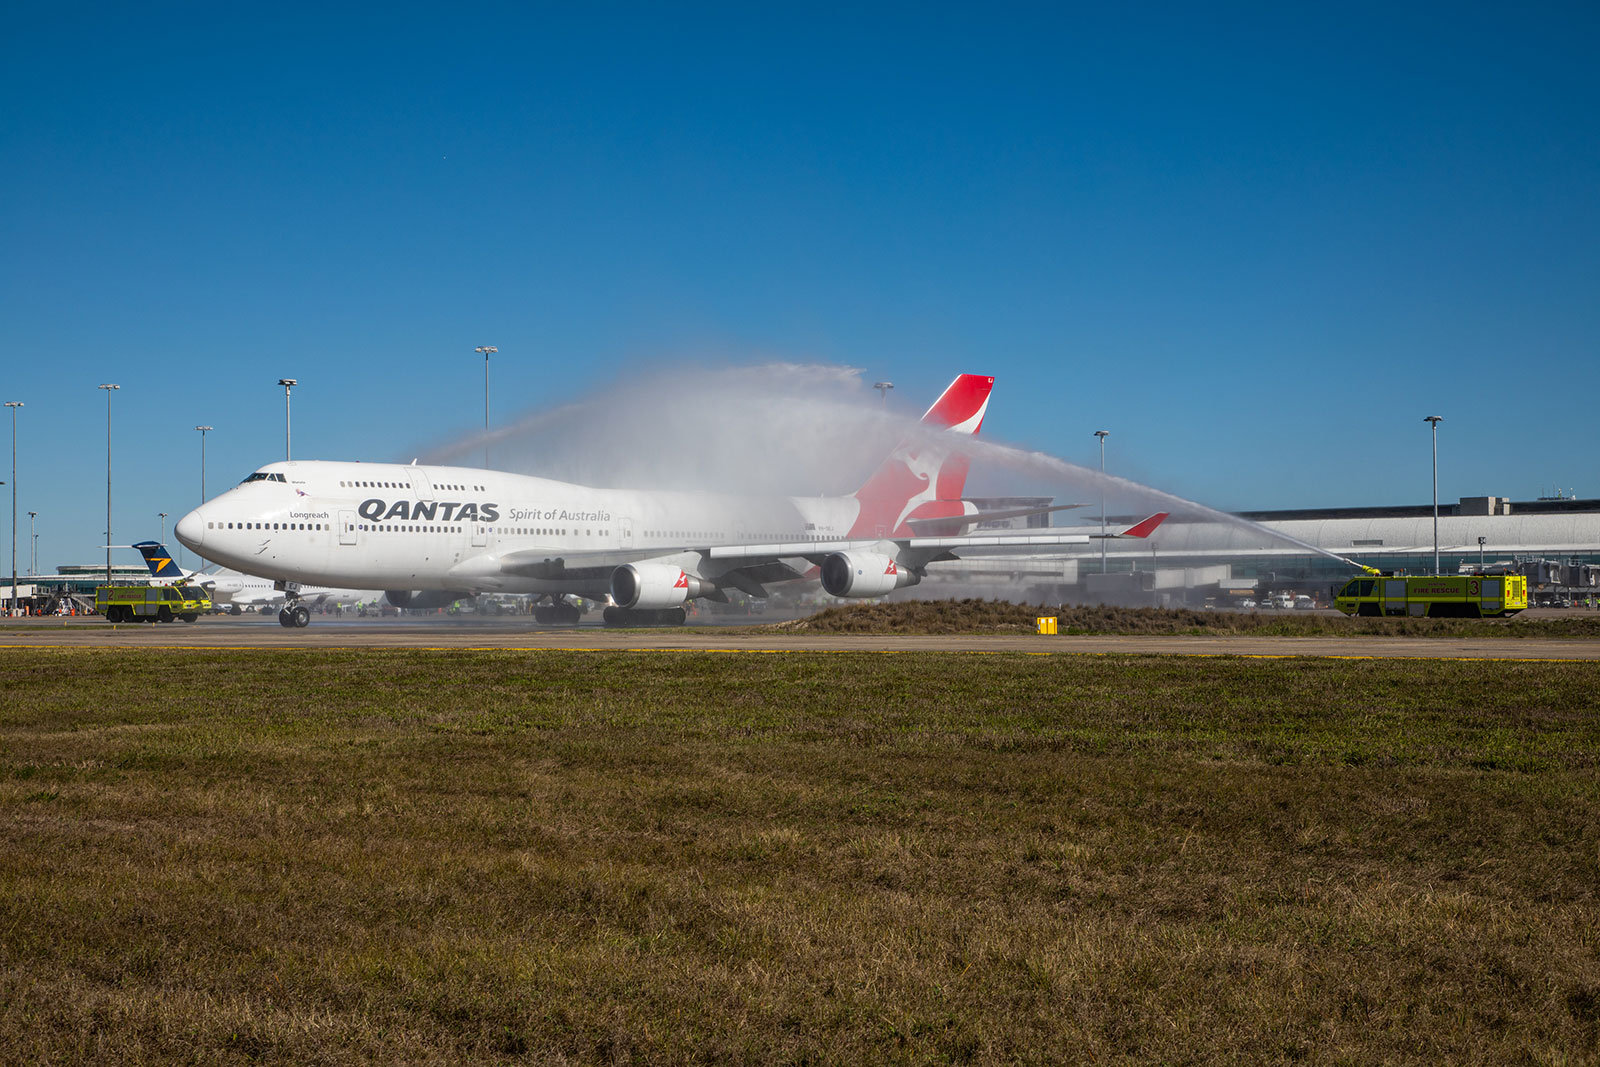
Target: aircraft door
<point>626,525</point>
<point>480,535</point>
<point>347,527</point>
<point>420,483</point>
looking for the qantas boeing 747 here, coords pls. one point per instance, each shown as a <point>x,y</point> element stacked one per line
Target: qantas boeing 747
<point>431,535</point>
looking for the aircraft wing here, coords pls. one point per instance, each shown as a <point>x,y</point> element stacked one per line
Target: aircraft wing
<point>1023,542</point>
<point>751,567</point>
<point>539,563</point>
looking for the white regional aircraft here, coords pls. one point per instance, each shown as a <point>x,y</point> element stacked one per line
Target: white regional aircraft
<point>431,535</point>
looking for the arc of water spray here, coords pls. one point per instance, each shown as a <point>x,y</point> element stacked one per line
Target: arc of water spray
<point>866,425</point>
<point>1024,458</point>
<point>528,424</point>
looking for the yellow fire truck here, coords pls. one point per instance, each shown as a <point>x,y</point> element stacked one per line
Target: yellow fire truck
<point>1464,596</point>
<point>151,603</point>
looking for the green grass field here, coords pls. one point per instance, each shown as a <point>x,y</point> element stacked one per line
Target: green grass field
<point>547,857</point>
<point>1000,616</point>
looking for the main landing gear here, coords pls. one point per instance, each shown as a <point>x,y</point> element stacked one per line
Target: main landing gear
<point>294,615</point>
<point>616,616</point>
<point>561,612</point>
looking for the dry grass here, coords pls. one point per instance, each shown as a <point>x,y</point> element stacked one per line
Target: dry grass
<point>998,616</point>
<point>366,856</point>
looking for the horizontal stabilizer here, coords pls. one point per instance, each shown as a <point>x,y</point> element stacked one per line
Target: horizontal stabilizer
<point>985,516</point>
<point>1145,528</point>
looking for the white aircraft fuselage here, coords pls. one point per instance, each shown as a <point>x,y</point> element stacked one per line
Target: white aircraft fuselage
<point>392,526</point>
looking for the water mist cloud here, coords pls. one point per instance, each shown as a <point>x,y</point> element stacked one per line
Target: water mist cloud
<point>779,428</point>
<point>793,429</point>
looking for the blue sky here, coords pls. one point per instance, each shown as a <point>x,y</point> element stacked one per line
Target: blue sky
<point>1257,244</point>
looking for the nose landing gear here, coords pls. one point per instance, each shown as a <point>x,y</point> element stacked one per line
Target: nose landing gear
<point>294,615</point>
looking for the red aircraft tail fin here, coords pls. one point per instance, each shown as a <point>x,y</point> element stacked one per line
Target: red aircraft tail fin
<point>925,472</point>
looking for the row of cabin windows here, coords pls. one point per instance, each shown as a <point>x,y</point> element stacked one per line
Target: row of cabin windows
<point>397,528</point>
<point>520,531</point>
<point>263,476</point>
<point>400,528</point>
<point>267,526</point>
<point>401,485</point>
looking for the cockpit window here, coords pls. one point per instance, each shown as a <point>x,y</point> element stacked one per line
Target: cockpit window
<point>263,476</point>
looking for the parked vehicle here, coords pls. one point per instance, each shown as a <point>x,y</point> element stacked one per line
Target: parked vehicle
<point>1435,596</point>
<point>151,603</point>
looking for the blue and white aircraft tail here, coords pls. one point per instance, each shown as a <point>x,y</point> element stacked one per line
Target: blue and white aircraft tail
<point>161,564</point>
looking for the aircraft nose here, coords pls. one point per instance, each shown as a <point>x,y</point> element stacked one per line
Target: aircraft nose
<point>191,530</point>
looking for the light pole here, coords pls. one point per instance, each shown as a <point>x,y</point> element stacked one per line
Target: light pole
<point>33,546</point>
<point>883,392</point>
<point>1102,434</point>
<point>1481,540</point>
<point>109,390</point>
<point>487,350</point>
<point>203,430</point>
<point>13,405</point>
<point>1434,421</point>
<point>163,515</point>
<point>288,384</point>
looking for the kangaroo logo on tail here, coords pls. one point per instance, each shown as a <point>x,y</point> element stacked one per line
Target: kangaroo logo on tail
<point>924,478</point>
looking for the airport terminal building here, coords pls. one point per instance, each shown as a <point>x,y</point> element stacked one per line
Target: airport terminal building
<point>1556,542</point>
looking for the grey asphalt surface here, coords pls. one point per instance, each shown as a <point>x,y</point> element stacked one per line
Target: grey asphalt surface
<point>520,632</point>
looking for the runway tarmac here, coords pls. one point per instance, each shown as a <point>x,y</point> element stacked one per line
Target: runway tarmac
<point>520,632</point>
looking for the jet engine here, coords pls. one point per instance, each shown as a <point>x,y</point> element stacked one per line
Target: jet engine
<point>653,586</point>
<point>861,574</point>
<point>424,599</point>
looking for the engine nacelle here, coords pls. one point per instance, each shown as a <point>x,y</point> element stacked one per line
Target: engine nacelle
<point>653,586</point>
<point>423,599</point>
<point>864,574</point>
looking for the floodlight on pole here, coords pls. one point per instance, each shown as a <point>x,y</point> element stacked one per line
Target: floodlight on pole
<point>288,384</point>
<point>13,405</point>
<point>487,351</point>
<point>883,392</point>
<point>109,390</point>
<point>33,545</point>
<point>1434,421</point>
<point>1102,434</point>
<point>203,430</point>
